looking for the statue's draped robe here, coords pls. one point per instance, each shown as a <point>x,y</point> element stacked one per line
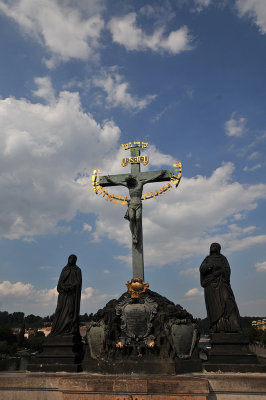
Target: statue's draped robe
<point>66,319</point>
<point>220,302</point>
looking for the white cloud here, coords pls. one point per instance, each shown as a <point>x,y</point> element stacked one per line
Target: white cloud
<point>160,14</point>
<point>87,227</point>
<point>46,157</point>
<point>87,293</point>
<point>96,301</point>
<point>254,156</point>
<point>66,32</point>
<point>158,116</point>
<point>254,146</point>
<point>190,271</point>
<point>235,127</point>
<point>19,294</point>
<point>240,244</point>
<point>201,4</point>
<point>125,31</point>
<point>239,216</point>
<point>254,9</point>
<point>158,159</point>
<point>186,220</point>
<point>257,166</point>
<point>117,90</point>
<point>112,163</point>
<point>17,289</point>
<point>190,93</point>
<point>194,292</point>
<point>261,266</point>
<point>47,154</point>
<point>44,89</point>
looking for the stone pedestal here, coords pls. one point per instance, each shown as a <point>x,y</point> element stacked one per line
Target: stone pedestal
<point>61,353</point>
<point>141,335</point>
<point>230,353</point>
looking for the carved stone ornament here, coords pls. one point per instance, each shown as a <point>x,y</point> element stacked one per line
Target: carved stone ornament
<point>96,333</point>
<point>182,335</point>
<point>136,319</point>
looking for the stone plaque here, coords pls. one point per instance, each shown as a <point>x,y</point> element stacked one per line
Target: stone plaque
<point>95,338</point>
<point>183,336</point>
<point>136,317</point>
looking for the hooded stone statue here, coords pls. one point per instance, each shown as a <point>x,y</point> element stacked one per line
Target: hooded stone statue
<point>66,318</point>
<point>220,302</point>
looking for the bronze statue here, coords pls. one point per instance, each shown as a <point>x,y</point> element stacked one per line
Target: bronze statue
<point>133,214</point>
<point>220,302</point>
<point>66,318</point>
<point>135,182</point>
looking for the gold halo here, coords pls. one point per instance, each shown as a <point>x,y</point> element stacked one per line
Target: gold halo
<point>123,200</point>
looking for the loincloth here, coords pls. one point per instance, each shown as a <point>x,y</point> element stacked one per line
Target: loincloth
<point>133,206</point>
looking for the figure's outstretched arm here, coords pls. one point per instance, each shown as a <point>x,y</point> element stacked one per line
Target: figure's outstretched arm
<point>109,179</point>
<point>158,175</point>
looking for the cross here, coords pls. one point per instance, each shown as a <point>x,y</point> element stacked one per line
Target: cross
<point>135,182</point>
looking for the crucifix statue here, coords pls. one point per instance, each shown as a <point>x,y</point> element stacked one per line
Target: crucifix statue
<point>135,182</point>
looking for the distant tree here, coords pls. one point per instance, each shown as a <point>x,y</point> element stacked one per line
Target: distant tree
<point>18,318</point>
<point>8,341</point>
<point>36,341</point>
<point>39,334</point>
<point>247,321</point>
<point>4,318</point>
<point>48,318</point>
<point>26,343</point>
<point>33,321</point>
<point>263,337</point>
<point>85,317</point>
<point>13,348</point>
<point>4,348</point>
<point>203,325</point>
<point>7,335</point>
<point>21,334</point>
<point>252,334</point>
<point>13,320</point>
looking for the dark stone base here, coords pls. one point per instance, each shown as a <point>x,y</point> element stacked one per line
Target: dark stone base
<point>185,366</point>
<point>128,367</point>
<point>120,334</point>
<point>143,367</point>
<point>61,353</point>
<point>230,353</point>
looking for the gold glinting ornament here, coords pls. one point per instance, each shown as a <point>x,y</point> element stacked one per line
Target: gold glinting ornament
<point>136,287</point>
<point>123,200</point>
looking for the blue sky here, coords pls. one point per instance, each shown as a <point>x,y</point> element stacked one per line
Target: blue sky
<point>78,79</point>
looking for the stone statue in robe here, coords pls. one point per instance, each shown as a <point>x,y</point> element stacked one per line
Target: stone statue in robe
<point>220,302</point>
<point>66,318</point>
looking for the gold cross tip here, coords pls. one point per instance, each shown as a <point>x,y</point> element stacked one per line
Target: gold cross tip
<point>139,144</point>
